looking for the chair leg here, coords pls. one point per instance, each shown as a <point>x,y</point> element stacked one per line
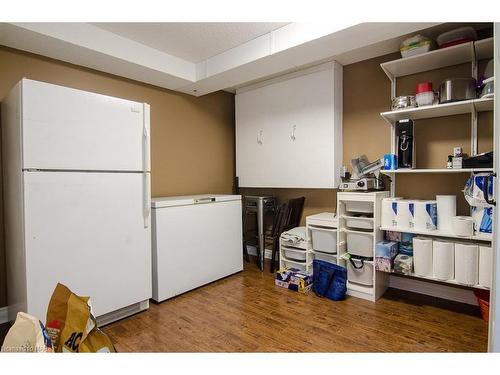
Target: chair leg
<point>273,257</point>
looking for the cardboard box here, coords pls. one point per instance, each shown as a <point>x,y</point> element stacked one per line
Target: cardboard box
<point>294,279</point>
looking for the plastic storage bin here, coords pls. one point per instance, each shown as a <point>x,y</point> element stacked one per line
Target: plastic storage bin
<point>359,243</point>
<point>294,254</point>
<point>361,207</point>
<point>361,273</point>
<point>359,222</point>
<point>330,258</point>
<point>324,240</point>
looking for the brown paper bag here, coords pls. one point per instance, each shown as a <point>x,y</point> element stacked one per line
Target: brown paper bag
<point>70,324</point>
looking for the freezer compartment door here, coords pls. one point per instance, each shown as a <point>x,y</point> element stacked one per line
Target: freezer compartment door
<point>194,245</point>
<point>86,230</point>
<point>70,129</point>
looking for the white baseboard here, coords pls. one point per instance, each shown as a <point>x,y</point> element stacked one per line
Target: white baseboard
<point>252,250</point>
<point>4,315</point>
<point>433,289</point>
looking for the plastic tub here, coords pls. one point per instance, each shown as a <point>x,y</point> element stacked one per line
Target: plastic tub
<point>324,240</point>
<point>489,88</point>
<point>359,222</point>
<point>359,243</point>
<point>361,207</point>
<point>294,254</point>
<point>363,275</point>
<point>331,258</point>
<point>425,98</point>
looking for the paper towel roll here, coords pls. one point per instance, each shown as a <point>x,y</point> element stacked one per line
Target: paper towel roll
<point>403,214</point>
<point>443,260</point>
<point>485,266</point>
<point>466,263</point>
<point>424,215</point>
<point>462,225</point>
<point>422,256</point>
<point>389,211</point>
<point>446,209</point>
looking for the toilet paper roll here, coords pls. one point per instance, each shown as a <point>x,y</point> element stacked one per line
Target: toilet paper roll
<point>446,209</point>
<point>462,225</point>
<point>466,263</point>
<point>485,266</point>
<point>423,215</point>
<point>443,260</point>
<point>422,256</point>
<point>403,214</point>
<point>389,211</point>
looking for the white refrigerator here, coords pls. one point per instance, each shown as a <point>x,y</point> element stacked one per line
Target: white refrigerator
<point>76,170</point>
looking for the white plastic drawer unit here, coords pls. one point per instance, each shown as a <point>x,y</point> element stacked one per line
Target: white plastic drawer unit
<point>196,240</point>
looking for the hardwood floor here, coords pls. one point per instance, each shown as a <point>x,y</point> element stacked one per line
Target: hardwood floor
<point>247,313</point>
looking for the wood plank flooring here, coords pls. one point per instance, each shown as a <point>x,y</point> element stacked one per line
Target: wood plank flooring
<point>247,313</point>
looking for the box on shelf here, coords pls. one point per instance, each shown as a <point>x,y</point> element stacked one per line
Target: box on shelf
<point>294,279</point>
<point>385,252</point>
<point>406,245</point>
<point>384,264</point>
<point>386,249</point>
<point>392,236</point>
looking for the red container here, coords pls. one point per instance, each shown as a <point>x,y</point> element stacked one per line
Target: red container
<point>424,87</point>
<point>483,299</point>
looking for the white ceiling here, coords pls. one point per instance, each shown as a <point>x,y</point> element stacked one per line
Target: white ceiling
<point>244,52</point>
<point>191,41</point>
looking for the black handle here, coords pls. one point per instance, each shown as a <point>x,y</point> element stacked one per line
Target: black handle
<point>354,264</point>
<point>491,202</point>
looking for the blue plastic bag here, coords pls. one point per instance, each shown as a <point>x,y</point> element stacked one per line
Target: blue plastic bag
<point>329,280</point>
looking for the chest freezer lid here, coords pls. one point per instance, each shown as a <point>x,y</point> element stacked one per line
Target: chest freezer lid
<point>186,200</point>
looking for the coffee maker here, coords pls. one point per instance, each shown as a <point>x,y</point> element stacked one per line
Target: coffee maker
<point>405,143</point>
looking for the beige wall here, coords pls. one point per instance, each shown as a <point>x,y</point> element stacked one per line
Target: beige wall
<point>192,139</point>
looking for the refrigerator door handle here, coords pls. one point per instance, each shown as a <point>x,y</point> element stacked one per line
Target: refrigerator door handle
<point>147,199</point>
<point>146,139</point>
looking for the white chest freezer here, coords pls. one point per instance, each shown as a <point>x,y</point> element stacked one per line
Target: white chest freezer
<point>196,240</point>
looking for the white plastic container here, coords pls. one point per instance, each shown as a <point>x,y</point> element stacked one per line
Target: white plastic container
<point>424,98</point>
<point>359,222</point>
<point>466,263</point>
<point>359,243</point>
<point>361,207</point>
<point>326,257</point>
<point>422,256</point>
<point>363,275</point>
<point>297,255</point>
<point>323,239</point>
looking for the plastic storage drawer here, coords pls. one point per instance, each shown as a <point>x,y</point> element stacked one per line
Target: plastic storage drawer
<point>359,222</point>
<point>326,257</point>
<point>359,243</point>
<point>357,206</point>
<point>294,254</point>
<point>362,275</point>
<point>324,240</point>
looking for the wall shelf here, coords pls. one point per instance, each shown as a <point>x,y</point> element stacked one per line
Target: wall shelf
<point>437,233</point>
<point>439,110</point>
<point>436,170</point>
<point>452,282</point>
<point>436,59</point>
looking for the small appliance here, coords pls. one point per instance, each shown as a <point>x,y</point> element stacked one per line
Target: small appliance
<point>405,143</point>
<point>366,175</point>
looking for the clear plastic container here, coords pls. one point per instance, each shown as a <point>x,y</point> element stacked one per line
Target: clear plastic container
<point>488,89</point>
<point>425,98</point>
